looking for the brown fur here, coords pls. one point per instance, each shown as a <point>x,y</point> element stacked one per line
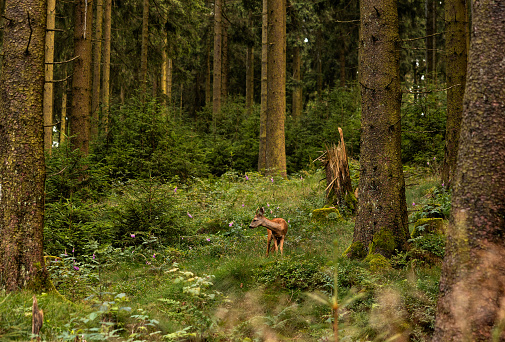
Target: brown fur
<point>277,229</point>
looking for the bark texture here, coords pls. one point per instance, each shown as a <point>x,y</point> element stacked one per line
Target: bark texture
<point>95,100</point>
<point>107,24</point>
<point>49,68</point>
<point>81,79</point>
<point>456,62</point>
<point>381,221</point>
<point>430,39</point>
<point>249,89</point>
<point>22,170</point>
<point>276,85</point>
<point>218,37</point>
<point>143,53</point>
<point>297,80</point>
<point>472,287</point>
<point>262,162</point>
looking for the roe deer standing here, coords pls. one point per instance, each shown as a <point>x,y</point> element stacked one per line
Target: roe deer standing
<point>277,228</point>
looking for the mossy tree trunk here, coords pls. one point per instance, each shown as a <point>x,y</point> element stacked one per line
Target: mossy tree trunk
<point>472,286</point>
<point>456,56</point>
<point>276,85</point>
<point>22,170</point>
<point>381,220</point>
<point>81,79</point>
<point>264,90</point>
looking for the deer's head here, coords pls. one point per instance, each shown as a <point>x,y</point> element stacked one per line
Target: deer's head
<point>258,218</point>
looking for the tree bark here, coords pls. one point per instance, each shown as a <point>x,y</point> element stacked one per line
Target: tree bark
<point>63,115</point>
<point>456,56</point>
<point>95,101</point>
<point>22,170</point>
<point>430,39</point>
<point>381,222</point>
<point>106,65</point>
<point>218,37</point>
<point>144,46</point>
<point>472,287</point>
<point>262,163</point>
<point>81,79</point>
<point>296,111</point>
<point>224,61</point>
<point>49,68</point>
<point>276,85</point>
<point>249,89</point>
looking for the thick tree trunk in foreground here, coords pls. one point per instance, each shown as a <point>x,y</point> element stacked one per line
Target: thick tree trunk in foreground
<point>49,68</point>
<point>455,44</point>
<point>276,85</point>
<point>381,221</point>
<point>264,91</point>
<point>472,288</point>
<point>81,79</point>
<point>22,170</point>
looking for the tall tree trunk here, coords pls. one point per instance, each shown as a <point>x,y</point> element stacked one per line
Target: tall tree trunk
<point>63,114</point>
<point>343,53</point>
<point>455,45</point>
<point>276,85</point>
<point>249,88</point>
<point>381,221</point>
<point>472,287</point>
<point>319,61</point>
<point>106,65</point>
<point>164,70</point>
<point>22,170</point>
<point>49,68</point>
<point>430,39</point>
<point>81,79</point>
<point>218,37</point>
<point>296,111</point>
<point>143,53</point>
<point>95,101</point>
<point>208,77</point>
<point>262,163</point>
<point>224,61</point>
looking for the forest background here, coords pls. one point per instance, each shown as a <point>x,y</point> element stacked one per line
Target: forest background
<point>155,133</point>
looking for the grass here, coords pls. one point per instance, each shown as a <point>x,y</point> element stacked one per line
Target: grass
<point>219,286</point>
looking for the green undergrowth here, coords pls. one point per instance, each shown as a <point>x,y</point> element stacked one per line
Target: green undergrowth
<point>185,266</point>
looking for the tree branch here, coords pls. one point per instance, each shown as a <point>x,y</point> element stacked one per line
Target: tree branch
<point>63,62</point>
<point>430,35</point>
<point>429,91</point>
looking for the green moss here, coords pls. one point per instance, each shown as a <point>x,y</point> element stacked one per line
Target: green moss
<point>383,243</point>
<point>355,251</point>
<point>324,214</point>
<point>426,226</point>
<point>377,262</point>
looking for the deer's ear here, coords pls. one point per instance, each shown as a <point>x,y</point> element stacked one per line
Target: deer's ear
<point>262,211</point>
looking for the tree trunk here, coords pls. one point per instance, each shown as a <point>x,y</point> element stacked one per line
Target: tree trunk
<point>262,163</point>
<point>106,65</point>
<point>319,62</point>
<point>49,67</point>
<point>63,115</point>
<point>95,101</point>
<point>381,222</point>
<point>22,170</point>
<point>143,53</point>
<point>296,111</point>
<point>430,39</point>
<point>208,76</point>
<point>224,61</point>
<point>472,286</point>
<point>249,89</point>
<point>81,79</point>
<point>218,36</point>
<point>276,85</point>
<point>455,43</point>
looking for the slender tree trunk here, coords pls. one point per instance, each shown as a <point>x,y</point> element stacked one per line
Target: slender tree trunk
<point>22,170</point>
<point>276,85</point>
<point>95,101</point>
<point>63,114</point>
<point>218,37</point>
<point>106,65</point>
<point>249,89</point>
<point>455,41</point>
<point>343,53</point>
<point>224,62</point>
<point>381,221</point>
<point>297,89</point>
<point>471,304</point>
<point>49,67</point>
<point>430,39</point>
<point>319,61</point>
<point>208,76</point>
<point>81,79</point>
<point>262,164</point>
<point>143,53</point>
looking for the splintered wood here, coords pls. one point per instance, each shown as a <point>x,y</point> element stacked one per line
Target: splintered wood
<point>338,179</point>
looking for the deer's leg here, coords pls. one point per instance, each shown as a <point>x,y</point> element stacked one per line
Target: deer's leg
<point>276,245</point>
<point>268,240</point>
<point>282,245</point>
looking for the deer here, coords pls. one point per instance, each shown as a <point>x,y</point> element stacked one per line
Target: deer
<point>277,229</point>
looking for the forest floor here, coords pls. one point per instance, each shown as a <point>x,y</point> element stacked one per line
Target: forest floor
<point>218,285</point>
